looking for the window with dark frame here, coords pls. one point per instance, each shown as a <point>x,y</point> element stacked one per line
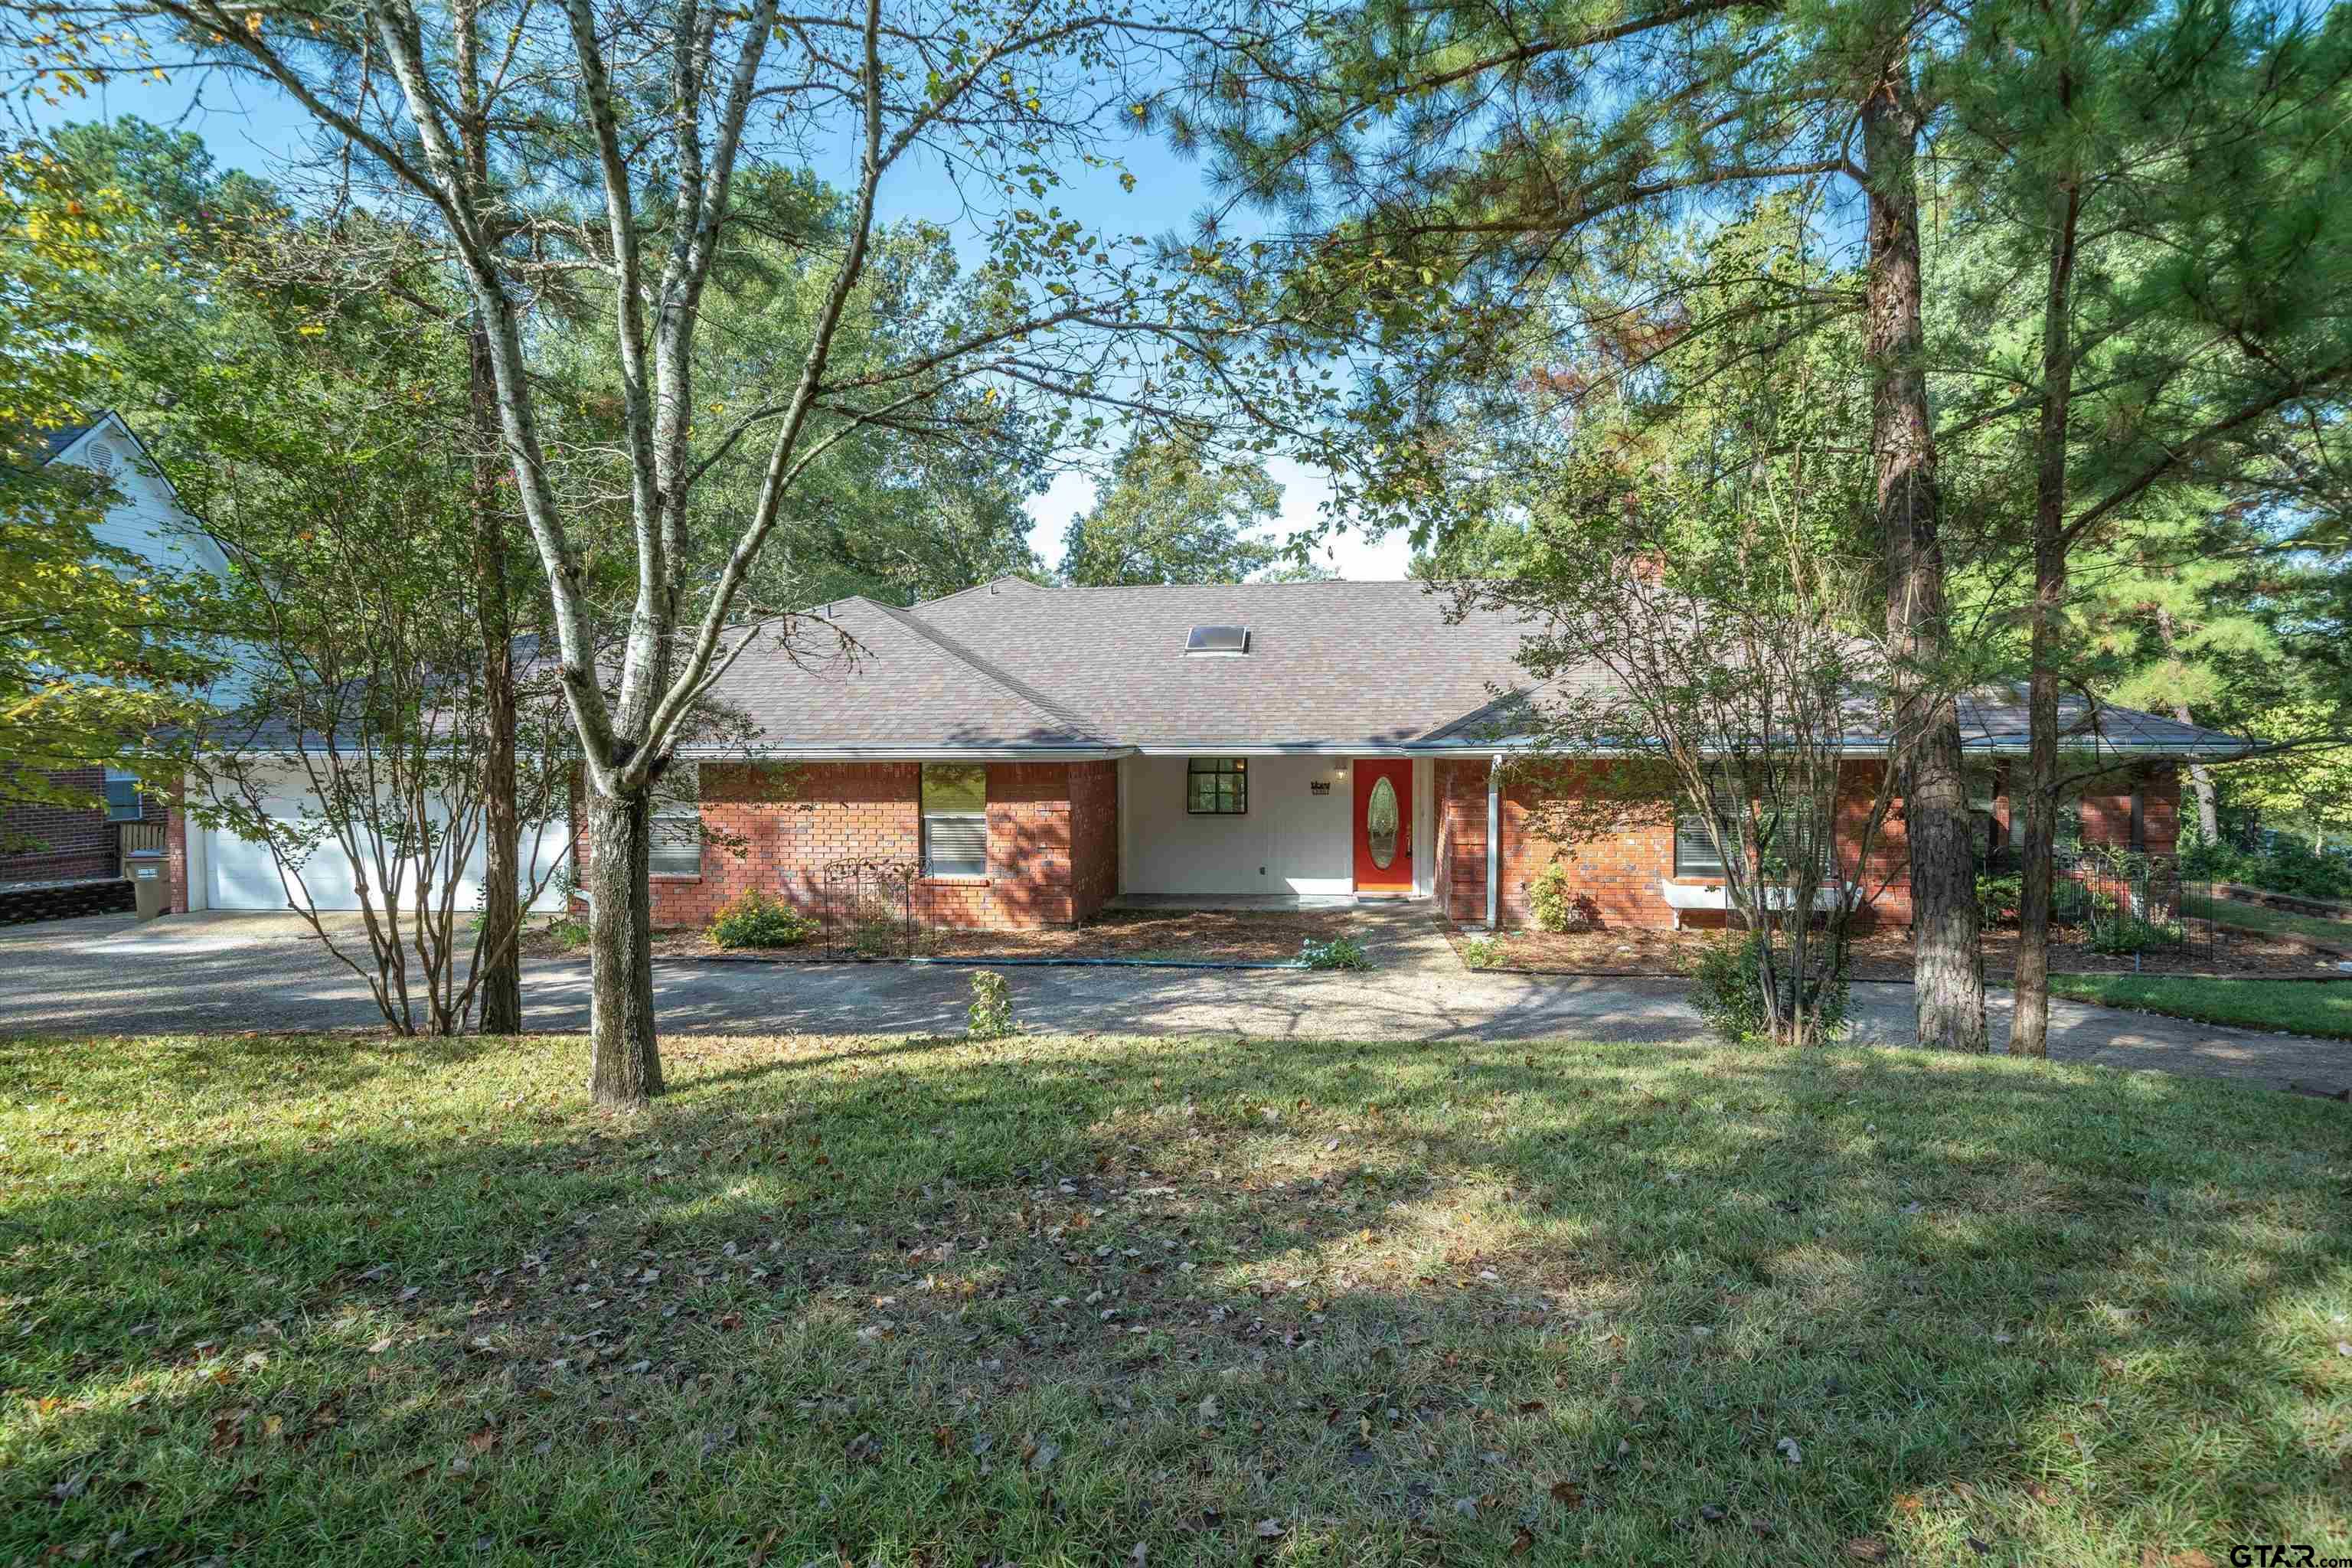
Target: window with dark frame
<point>122,802</point>
<point>1216,786</point>
<point>955,819</point>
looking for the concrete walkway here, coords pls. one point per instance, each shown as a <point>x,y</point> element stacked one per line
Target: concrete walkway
<point>110,975</point>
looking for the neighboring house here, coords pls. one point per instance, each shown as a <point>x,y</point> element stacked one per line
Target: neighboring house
<point>1040,751</point>
<point>208,867</point>
<point>43,843</point>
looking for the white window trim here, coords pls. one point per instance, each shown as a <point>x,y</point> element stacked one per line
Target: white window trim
<point>964,870</point>
<point>686,807</point>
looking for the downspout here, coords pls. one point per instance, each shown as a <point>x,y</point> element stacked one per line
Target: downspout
<point>1494,841</point>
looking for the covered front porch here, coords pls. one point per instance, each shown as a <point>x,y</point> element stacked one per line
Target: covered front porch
<point>1272,830</point>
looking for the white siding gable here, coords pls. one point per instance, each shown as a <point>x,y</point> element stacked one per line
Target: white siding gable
<point>148,521</point>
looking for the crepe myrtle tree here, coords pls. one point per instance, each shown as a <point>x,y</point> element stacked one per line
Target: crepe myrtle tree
<point>358,726</point>
<point>1723,684</point>
<point>1684,555</point>
<point>596,145</point>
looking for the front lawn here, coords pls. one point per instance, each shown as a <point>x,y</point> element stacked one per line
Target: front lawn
<point>2264,919</point>
<point>2295,1006</point>
<point>1056,1301</point>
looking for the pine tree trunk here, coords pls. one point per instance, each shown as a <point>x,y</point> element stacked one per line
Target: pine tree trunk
<point>2200,784</point>
<point>625,1069</point>
<point>501,981</point>
<point>2029,1032</point>
<point>2201,777</point>
<point>1949,992</point>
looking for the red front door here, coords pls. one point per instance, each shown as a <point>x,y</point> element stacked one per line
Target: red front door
<point>1383,806</point>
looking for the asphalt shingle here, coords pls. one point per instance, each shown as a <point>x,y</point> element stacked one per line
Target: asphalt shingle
<point>1010,665</point>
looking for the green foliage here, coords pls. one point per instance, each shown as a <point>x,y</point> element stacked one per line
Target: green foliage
<point>97,654</point>
<point>2126,935</point>
<point>1481,952</point>
<point>2285,866</point>
<point>1556,908</point>
<point>1338,952</point>
<point>1997,897</point>
<point>2073,903</point>
<point>1172,513</point>
<point>894,514</point>
<point>1727,989</point>
<point>991,1013</point>
<point>756,919</point>
<point>568,933</point>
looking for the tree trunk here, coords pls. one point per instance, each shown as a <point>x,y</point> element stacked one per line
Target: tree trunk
<point>2200,784</point>
<point>2201,777</point>
<point>1949,992</point>
<point>625,1069</point>
<point>2029,1030</point>
<point>501,982</point>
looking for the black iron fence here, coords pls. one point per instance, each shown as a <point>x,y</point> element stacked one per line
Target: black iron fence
<point>2121,903</point>
<point>873,909</point>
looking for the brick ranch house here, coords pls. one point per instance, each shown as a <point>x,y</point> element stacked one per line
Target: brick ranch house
<point>1039,753</point>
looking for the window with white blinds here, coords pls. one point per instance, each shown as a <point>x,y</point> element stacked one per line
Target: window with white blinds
<point>1784,833</point>
<point>1694,847</point>
<point>955,820</point>
<point>677,847</point>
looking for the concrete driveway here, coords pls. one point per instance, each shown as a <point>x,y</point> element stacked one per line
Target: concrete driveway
<point>112,974</point>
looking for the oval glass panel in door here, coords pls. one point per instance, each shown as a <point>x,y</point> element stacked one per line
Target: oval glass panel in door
<point>1381,823</point>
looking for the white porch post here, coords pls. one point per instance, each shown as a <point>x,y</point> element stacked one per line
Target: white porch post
<point>1494,842</point>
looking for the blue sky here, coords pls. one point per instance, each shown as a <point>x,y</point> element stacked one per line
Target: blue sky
<point>249,126</point>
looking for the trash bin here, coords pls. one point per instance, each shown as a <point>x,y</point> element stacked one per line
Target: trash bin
<point>149,887</point>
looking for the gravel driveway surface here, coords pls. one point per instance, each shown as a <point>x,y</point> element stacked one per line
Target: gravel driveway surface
<point>112,974</point>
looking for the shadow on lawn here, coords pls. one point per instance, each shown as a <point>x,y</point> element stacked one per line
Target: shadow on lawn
<point>1654,1302</point>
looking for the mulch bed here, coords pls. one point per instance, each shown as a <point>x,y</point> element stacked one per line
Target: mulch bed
<point>1887,954</point>
<point>1232,936</point>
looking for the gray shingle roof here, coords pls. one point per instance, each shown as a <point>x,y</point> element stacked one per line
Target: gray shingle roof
<point>902,686</point>
<point>1010,666</point>
<point>1329,664</point>
<point>49,443</point>
<point>1996,719</point>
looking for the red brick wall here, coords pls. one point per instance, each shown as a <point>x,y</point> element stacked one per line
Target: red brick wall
<point>1887,879</point>
<point>175,850</point>
<point>74,841</point>
<point>774,827</point>
<point>1460,871</point>
<point>2108,809</point>
<point>1094,836</point>
<point>1619,874</point>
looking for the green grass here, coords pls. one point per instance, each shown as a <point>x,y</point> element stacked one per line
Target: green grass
<point>2262,917</point>
<point>893,1302</point>
<point>2297,1007</point>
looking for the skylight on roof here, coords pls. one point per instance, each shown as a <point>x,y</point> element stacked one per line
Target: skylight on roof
<point>1228,640</point>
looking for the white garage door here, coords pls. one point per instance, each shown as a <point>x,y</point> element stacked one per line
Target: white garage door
<point>241,875</point>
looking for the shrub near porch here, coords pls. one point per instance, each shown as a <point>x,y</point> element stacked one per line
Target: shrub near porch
<point>1048,1300</point>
